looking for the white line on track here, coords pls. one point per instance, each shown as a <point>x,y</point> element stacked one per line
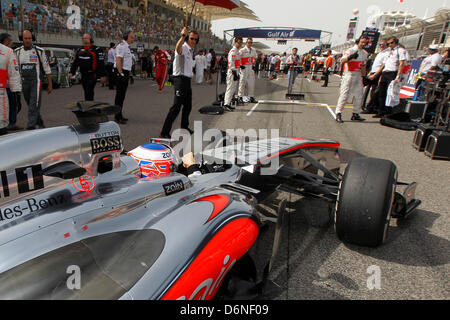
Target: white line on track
<point>331,111</point>
<point>253,109</point>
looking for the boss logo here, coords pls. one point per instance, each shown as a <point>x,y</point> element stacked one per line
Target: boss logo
<point>173,187</point>
<point>106,144</point>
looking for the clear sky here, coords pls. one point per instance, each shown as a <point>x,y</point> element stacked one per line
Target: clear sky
<point>327,15</point>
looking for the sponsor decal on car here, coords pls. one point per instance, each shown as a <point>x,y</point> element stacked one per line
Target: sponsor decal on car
<point>84,183</point>
<point>105,143</point>
<point>173,187</point>
<point>29,206</point>
<point>19,178</point>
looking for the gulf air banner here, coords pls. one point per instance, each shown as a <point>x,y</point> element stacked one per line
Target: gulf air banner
<point>278,33</point>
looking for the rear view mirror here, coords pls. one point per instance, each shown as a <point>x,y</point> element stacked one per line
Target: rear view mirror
<point>64,170</point>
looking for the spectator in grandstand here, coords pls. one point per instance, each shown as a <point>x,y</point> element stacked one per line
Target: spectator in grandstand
<point>182,74</point>
<point>90,59</point>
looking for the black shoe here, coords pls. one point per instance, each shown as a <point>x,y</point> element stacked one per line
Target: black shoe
<point>40,123</point>
<point>339,118</point>
<point>357,117</point>
<point>32,127</point>
<point>253,100</point>
<point>378,115</point>
<point>3,131</point>
<point>367,112</point>
<point>165,136</point>
<point>228,107</point>
<point>121,120</point>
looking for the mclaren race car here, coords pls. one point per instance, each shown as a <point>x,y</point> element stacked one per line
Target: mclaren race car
<point>82,219</point>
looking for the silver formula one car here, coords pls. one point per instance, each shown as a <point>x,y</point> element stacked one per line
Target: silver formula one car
<point>79,220</point>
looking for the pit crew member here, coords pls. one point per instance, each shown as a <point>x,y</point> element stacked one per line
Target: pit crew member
<point>90,60</point>
<point>9,75</point>
<point>247,72</point>
<point>354,60</point>
<point>234,63</point>
<point>33,64</point>
<point>162,59</point>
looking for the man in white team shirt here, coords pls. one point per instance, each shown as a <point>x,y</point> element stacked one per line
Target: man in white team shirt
<point>354,61</point>
<point>392,71</point>
<point>247,72</point>
<point>234,64</point>
<point>182,74</point>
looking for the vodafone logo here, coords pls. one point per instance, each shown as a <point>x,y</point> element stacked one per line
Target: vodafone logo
<point>208,287</point>
<point>84,183</point>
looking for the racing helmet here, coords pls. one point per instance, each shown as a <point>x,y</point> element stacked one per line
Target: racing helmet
<point>154,159</point>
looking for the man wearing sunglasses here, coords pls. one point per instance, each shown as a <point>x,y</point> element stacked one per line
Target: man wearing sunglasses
<point>392,71</point>
<point>182,74</point>
<point>354,61</point>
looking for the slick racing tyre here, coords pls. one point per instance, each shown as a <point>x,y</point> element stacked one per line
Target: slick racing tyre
<point>365,201</point>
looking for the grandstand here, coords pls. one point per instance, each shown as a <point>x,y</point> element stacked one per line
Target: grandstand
<point>154,22</point>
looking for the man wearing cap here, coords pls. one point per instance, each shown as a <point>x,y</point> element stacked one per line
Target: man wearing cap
<point>430,63</point>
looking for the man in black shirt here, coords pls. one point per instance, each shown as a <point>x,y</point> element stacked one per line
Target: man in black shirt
<point>91,61</point>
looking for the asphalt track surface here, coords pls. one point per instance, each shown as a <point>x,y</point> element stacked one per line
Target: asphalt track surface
<point>312,263</point>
